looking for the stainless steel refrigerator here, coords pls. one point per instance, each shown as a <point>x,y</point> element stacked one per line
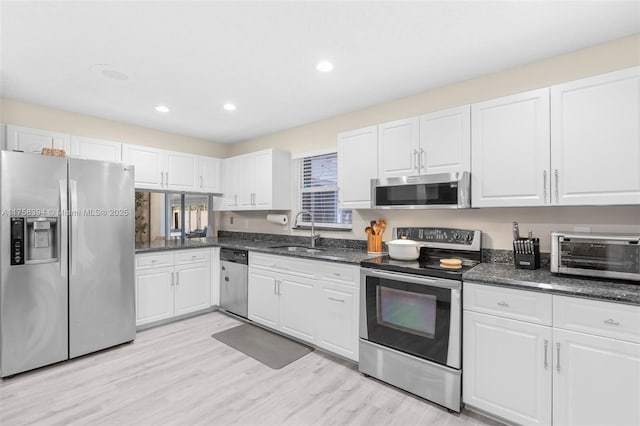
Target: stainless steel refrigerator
<point>67,283</point>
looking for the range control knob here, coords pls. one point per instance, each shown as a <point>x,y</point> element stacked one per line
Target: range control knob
<point>456,236</point>
<point>469,236</point>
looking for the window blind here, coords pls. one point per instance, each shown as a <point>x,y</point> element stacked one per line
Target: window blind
<point>316,180</point>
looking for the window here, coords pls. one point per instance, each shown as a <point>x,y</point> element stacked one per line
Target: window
<point>316,183</point>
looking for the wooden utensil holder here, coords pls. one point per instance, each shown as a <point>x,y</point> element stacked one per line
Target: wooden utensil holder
<point>374,243</point>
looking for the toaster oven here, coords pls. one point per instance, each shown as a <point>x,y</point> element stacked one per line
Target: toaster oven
<point>596,255</point>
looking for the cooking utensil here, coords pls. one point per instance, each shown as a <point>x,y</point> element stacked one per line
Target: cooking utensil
<point>368,230</point>
<point>403,249</point>
<point>383,224</point>
<point>376,229</point>
<point>516,231</point>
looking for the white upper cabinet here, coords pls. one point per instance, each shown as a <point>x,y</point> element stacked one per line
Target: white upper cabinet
<point>510,150</point>
<point>357,165</point>
<point>257,181</point>
<point>149,166</point>
<point>398,148</point>
<point>209,173</point>
<point>181,171</point>
<point>168,170</point>
<point>96,149</point>
<point>33,140</point>
<point>231,175</point>
<point>595,140</point>
<point>445,141</point>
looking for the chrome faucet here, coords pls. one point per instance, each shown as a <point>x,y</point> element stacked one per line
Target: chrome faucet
<point>314,237</point>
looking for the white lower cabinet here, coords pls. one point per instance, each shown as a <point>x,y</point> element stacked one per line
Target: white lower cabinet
<point>524,370</point>
<point>596,380</point>
<point>337,329</point>
<point>263,303</point>
<point>314,301</point>
<point>170,284</point>
<point>154,295</point>
<point>192,287</point>
<point>507,368</point>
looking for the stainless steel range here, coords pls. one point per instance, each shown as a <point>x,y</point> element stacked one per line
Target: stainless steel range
<point>411,314</point>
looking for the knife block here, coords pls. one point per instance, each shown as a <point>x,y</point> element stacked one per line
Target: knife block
<point>529,258</point>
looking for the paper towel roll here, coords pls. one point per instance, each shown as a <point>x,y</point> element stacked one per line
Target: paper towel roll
<point>280,219</point>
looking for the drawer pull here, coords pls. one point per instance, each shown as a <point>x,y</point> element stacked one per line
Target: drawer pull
<point>503,304</point>
<point>611,321</point>
<point>153,261</point>
<point>337,300</point>
<point>275,265</point>
<point>194,257</point>
<point>546,362</point>
<point>337,274</point>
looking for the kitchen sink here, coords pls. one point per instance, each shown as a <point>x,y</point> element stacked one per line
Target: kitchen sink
<point>299,249</point>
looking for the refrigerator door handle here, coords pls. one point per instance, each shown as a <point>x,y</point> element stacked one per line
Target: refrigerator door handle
<point>73,232</point>
<point>62,247</point>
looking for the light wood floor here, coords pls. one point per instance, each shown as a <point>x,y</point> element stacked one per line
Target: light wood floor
<point>178,375</point>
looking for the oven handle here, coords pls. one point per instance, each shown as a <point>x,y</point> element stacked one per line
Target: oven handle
<point>414,279</point>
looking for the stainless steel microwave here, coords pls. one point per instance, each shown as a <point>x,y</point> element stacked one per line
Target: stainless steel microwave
<point>437,191</point>
<point>596,255</point>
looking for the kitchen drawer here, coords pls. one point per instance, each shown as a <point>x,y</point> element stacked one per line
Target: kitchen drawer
<point>284,264</point>
<point>340,273</point>
<point>154,260</point>
<point>606,319</point>
<point>192,256</point>
<point>508,303</point>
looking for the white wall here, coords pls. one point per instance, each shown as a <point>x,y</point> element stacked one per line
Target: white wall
<point>495,222</point>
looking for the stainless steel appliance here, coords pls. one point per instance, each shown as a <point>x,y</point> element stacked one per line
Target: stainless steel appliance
<point>437,191</point>
<point>234,281</point>
<point>411,314</point>
<point>596,255</point>
<point>67,281</point>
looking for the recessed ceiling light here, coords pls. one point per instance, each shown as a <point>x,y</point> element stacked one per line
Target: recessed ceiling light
<point>162,108</point>
<point>324,66</point>
<point>229,107</point>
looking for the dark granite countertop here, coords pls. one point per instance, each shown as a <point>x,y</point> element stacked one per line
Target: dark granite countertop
<point>543,280</point>
<point>329,253</point>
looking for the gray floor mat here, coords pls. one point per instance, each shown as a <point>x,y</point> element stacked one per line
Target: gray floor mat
<point>269,348</point>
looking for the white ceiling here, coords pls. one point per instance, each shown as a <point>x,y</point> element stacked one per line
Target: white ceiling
<point>195,56</point>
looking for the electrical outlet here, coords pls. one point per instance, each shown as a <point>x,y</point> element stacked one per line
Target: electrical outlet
<point>230,220</point>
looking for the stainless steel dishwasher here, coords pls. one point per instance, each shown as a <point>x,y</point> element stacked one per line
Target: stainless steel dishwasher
<point>234,281</point>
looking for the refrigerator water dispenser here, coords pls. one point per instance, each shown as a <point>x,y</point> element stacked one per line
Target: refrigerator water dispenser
<point>42,244</point>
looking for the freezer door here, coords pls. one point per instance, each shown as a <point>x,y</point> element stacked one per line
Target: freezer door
<point>101,256</point>
<point>33,295</point>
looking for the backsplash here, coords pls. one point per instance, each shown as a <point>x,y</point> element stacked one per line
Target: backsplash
<point>495,223</point>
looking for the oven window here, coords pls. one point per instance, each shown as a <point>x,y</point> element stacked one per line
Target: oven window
<point>409,317</point>
<point>413,313</point>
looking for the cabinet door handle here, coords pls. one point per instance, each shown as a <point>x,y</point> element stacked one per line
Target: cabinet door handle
<point>416,161</point>
<point>544,186</point>
<point>557,176</point>
<point>503,304</point>
<point>166,176</point>
<point>275,283</point>
<point>336,300</point>
<point>558,357</point>
<point>546,361</point>
<point>422,158</point>
<point>172,278</point>
<point>611,321</point>
<point>178,278</point>
<point>235,199</point>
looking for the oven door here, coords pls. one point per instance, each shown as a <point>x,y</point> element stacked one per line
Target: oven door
<point>412,314</point>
